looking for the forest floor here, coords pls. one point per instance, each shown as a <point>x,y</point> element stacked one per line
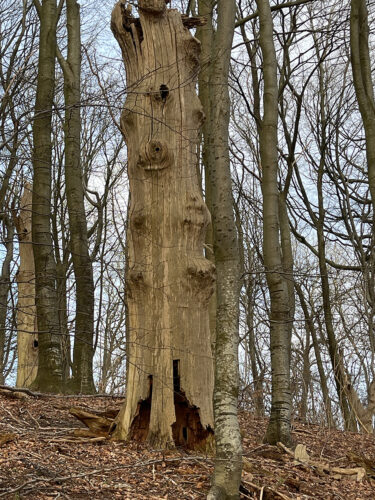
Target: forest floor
<point>41,459</point>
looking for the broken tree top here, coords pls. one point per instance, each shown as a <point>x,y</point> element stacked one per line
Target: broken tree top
<point>158,7</point>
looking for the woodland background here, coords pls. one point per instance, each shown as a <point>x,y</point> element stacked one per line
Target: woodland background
<point>323,181</point>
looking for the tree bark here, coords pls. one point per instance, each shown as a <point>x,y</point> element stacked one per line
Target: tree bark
<point>363,85</point>
<point>281,307</point>
<point>5,285</point>
<point>205,35</point>
<point>83,351</point>
<point>27,333</point>
<point>215,93</point>
<point>49,377</point>
<point>169,282</point>
<point>323,379</point>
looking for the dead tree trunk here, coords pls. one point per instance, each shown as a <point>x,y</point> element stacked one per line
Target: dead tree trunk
<point>170,375</point>
<point>27,335</point>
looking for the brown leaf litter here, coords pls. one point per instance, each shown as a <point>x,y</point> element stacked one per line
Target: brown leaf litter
<point>46,453</point>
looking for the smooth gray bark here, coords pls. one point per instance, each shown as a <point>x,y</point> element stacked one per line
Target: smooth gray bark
<point>281,307</point>
<point>82,380</point>
<point>228,462</point>
<point>5,284</point>
<point>50,377</point>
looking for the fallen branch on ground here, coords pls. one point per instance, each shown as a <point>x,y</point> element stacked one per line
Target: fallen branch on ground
<point>301,457</point>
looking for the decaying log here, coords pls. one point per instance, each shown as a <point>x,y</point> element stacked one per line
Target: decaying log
<point>362,461</point>
<point>13,394</point>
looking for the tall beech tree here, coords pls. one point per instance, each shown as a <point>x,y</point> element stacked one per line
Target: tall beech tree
<point>5,288</point>
<point>82,377</point>
<point>50,373</point>
<point>273,215</point>
<point>169,281</point>
<point>363,85</point>
<point>214,92</point>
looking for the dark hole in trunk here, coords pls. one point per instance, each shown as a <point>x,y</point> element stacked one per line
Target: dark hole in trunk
<point>187,430</point>
<point>185,433</point>
<point>176,375</point>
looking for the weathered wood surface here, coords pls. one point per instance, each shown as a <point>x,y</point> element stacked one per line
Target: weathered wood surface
<point>97,425</point>
<point>170,282</point>
<point>27,331</point>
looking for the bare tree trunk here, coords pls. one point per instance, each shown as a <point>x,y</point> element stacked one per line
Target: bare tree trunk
<point>323,379</point>
<point>27,333</point>
<point>364,89</point>
<point>215,94</point>
<point>4,292</point>
<point>257,376</point>
<point>337,366</point>
<point>84,324</point>
<point>281,307</point>
<point>62,301</point>
<point>169,282</point>
<point>361,67</point>
<point>205,35</point>
<point>49,377</point>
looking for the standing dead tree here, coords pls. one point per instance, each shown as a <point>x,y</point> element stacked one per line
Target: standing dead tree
<point>169,281</point>
<point>27,329</point>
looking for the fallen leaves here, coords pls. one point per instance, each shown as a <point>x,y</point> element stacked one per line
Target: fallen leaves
<point>52,455</point>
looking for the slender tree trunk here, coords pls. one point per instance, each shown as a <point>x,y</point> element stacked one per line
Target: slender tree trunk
<point>257,377</point>
<point>84,324</point>
<point>62,300</point>
<point>4,292</point>
<point>169,282</point>
<point>49,377</point>
<point>281,307</point>
<point>205,35</point>
<point>337,365</point>
<point>361,67</point>
<point>228,463</point>
<point>323,379</point>
<point>27,334</point>
<point>306,378</point>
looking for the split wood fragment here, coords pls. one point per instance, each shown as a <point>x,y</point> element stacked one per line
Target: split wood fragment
<point>98,425</point>
<point>7,438</point>
<point>359,472</point>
